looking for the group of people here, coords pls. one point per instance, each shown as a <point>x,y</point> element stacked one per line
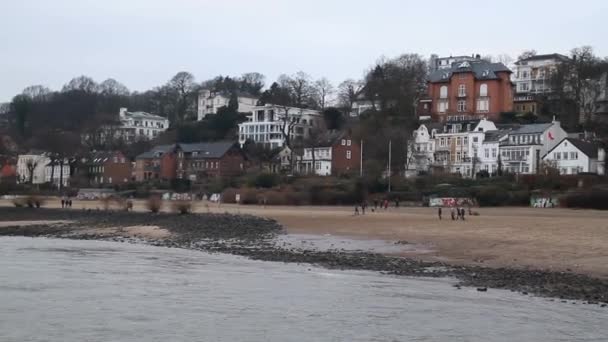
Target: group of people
<point>457,213</point>
<point>378,204</point>
<point>66,202</point>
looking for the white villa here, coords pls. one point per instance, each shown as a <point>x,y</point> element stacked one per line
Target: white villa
<point>138,125</point>
<point>523,149</point>
<point>270,123</point>
<point>32,167</point>
<point>573,156</point>
<point>209,102</point>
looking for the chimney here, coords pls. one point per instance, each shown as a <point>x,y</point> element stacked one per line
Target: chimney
<point>122,113</point>
<point>477,56</point>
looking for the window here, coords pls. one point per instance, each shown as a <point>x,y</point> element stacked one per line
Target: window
<point>458,140</point>
<point>475,139</point>
<point>565,155</point>
<point>442,142</point>
<point>487,153</point>
<point>524,87</point>
<point>465,140</point>
<point>483,105</point>
<point>574,155</point>
<point>348,154</point>
<point>442,106</point>
<point>462,90</point>
<point>348,142</point>
<point>458,157</point>
<point>343,142</point>
<point>483,90</point>
<point>462,106</point>
<point>493,153</point>
<point>557,155</point>
<point>443,92</point>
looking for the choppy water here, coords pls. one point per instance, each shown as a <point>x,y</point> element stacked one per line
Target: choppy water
<point>62,290</point>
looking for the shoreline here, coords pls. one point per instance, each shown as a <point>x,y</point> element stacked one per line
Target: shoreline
<point>255,238</point>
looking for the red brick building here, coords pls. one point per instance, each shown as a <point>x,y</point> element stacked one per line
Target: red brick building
<point>469,90</point>
<point>345,155</point>
<point>336,154</point>
<point>108,168</point>
<point>190,161</point>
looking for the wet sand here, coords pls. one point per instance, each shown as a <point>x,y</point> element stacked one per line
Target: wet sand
<point>548,239</point>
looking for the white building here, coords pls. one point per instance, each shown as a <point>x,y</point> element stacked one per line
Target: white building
<point>532,78</point>
<point>269,124</point>
<point>322,161</point>
<point>140,125</point>
<point>573,156</point>
<point>57,173</point>
<point>210,102</point>
<point>489,151</point>
<point>421,150</point>
<point>523,149</point>
<point>458,145</point>
<point>32,167</point>
<point>439,63</point>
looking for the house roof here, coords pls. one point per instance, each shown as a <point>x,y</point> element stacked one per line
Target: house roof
<point>491,136</point>
<point>160,149</point>
<point>532,128</point>
<point>588,148</point>
<point>544,57</point>
<point>207,150</point>
<point>483,70</point>
<point>143,115</point>
<point>100,157</point>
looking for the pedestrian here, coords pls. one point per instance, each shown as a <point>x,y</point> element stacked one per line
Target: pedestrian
<point>453,213</point>
<point>62,202</point>
<point>356,210</point>
<point>386,204</point>
<point>70,200</point>
<point>363,207</point>
<point>397,203</point>
<point>376,204</point>
<point>439,213</point>
<point>462,212</point>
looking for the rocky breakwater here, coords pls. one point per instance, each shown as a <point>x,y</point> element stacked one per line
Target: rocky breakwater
<point>253,237</point>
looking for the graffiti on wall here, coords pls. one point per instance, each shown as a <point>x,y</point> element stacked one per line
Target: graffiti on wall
<point>544,202</point>
<point>451,202</point>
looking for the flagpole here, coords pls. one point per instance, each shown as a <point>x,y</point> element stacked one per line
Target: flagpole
<point>389,165</point>
<point>361,160</point>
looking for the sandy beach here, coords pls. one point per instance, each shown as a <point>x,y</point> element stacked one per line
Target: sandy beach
<point>548,239</point>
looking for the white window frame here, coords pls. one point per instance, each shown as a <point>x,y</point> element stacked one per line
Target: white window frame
<point>461,106</point>
<point>462,90</point>
<point>348,155</point>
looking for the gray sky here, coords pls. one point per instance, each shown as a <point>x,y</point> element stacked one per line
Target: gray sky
<point>142,43</point>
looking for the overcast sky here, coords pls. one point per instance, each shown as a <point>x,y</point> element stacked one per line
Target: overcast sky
<point>142,43</point>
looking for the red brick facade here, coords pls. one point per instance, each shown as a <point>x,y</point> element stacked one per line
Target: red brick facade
<point>462,96</point>
<point>110,168</point>
<point>345,156</point>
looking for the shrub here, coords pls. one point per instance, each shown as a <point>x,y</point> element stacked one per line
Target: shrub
<point>182,207</point>
<point>590,199</point>
<point>19,202</point>
<point>154,204</point>
<point>266,180</point>
<point>33,201</point>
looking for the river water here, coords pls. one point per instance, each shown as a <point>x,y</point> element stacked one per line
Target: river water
<point>64,290</point>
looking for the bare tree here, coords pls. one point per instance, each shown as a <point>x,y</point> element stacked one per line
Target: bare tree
<point>300,88</point>
<point>348,91</point>
<point>81,83</point>
<point>36,92</point>
<point>323,90</point>
<point>30,166</point>
<point>526,54</point>
<point>113,87</point>
<point>183,90</point>
<point>253,82</point>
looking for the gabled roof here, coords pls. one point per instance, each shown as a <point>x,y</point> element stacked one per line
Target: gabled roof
<point>207,150</point>
<point>588,148</point>
<point>483,70</point>
<point>532,128</point>
<point>143,115</point>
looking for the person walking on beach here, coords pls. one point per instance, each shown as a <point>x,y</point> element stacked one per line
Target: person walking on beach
<point>375,204</point>
<point>356,210</point>
<point>439,213</point>
<point>453,213</point>
<point>386,204</point>
<point>363,206</point>
<point>62,202</point>
<point>462,212</point>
